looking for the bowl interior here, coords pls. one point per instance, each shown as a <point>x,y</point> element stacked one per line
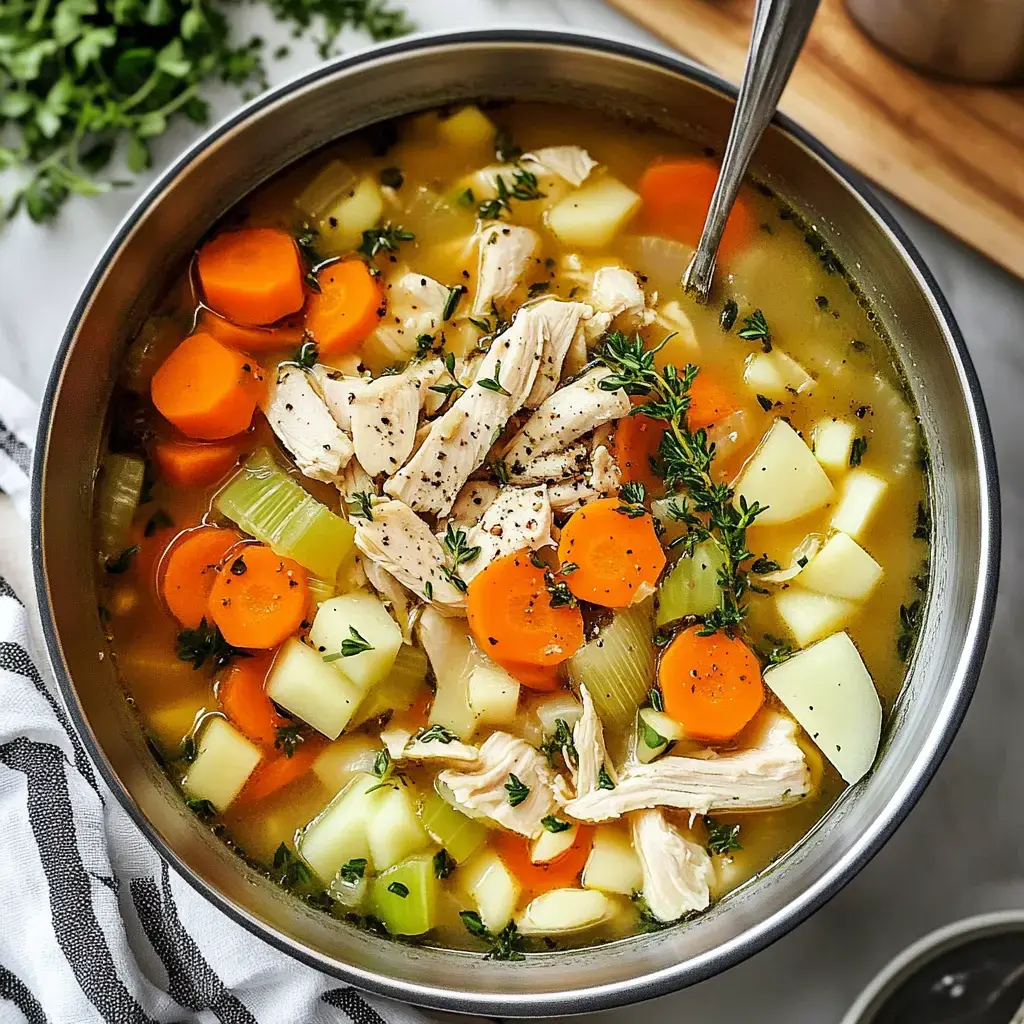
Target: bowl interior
<point>413,74</point>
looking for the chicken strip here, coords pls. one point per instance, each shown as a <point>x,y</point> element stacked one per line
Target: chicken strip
<point>473,501</point>
<point>563,326</point>
<point>519,518</point>
<point>591,754</point>
<point>339,391</point>
<point>771,773</point>
<point>677,872</point>
<point>616,292</point>
<point>507,767</point>
<point>384,418</point>
<point>415,306</point>
<point>505,251</point>
<point>304,425</point>
<point>572,163</point>
<point>434,745</point>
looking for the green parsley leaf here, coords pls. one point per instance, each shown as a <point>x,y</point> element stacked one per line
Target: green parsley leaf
<point>516,790</point>
<point>722,838</point>
<point>353,870</point>
<point>552,824</point>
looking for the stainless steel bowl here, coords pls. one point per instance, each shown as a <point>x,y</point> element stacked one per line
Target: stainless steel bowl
<point>645,85</point>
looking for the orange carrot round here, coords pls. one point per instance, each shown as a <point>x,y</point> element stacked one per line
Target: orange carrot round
<point>188,569</point>
<point>676,195</point>
<point>258,598</point>
<point>711,684</point>
<point>190,464</point>
<point>208,391</point>
<point>346,309</point>
<point>620,558</point>
<point>542,678</point>
<point>249,339</point>
<point>244,700</point>
<point>637,439</point>
<point>511,616</point>
<point>274,773</point>
<point>252,276</point>
<point>710,402</point>
<point>563,872</point>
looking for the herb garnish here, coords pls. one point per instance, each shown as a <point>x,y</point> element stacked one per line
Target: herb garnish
<point>910,626</point>
<point>386,770</point>
<point>722,838</point>
<point>384,238</point>
<point>437,733</point>
<point>424,343</point>
<point>755,328</point>
<point>291,870</point>
<point>459,553</point>
<point>466,198</point>
<point>451,303</point>
<point>288,738</point>
<point>524,188</point>
<point>604,780</point>
<point>517,791</point>
<point>684,461</point>
<point>494,383</point>
<point>444,864</point>
<point>765,403</point>
<point>632,496</point>
<point>360,505</point>
<point>122,563</point>
<point>399,889</point>
<point>857,450</point>
<point>391,177</point>
<point>307,354</point>
<point>727,318</point>
<point>355,643</point>
<point>554,825</point>
<point>559,594</point>
<point>560,743</point>
<point>923,528</point>
<point>206,642</point>
<point>203,808</point>
<point>538,288</point>
<point>353,870</point>
<point>504,946</point>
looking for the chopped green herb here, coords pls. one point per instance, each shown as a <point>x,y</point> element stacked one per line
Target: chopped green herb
<point>451,303</point>
<point>552,824</point>
<point>428,590</point>
<point>494,383</point>
<point>291,871</point>
<point>466,198</point>
<point>424,343</point>
<point>727,318</point>
<point>384,238</point>
<point>763,565</point>
<point>473,924</point>
<point>560,596</point>
<point>288,738</point>
<point>206,643</point>
<point>387,771</point>
<point>604,780</point>
<point>437,733</point>
<point>722,838</point>
<point>655,699</point>
<point>203,808</point>
<point>355,643</point>
<point>307,354</point>
<point>399,889</point>
<point>459,553</point>
<point>353,870</point>
<point>187,750</point>
<point>857,450</point>
<point>538,288</point>
<point>755,328</point>
<point>910,626</point>
<point>923,527</point>
<point>765,403</point>
<point>391,177</point>
<point>122,563</point>
<point>444,864</point>
<point>516,790</point>
<point>632,496</point>
<point>360,505</point>
<point>560,743</point>
<point>500,471</point>
<point>524,188</point>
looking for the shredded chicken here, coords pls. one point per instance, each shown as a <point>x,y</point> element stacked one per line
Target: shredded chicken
<point>519,518</point>
<point>401,543</point>
<point>304,425</point>
<point>458,441</point>
<point>473,501</point>
<point>573,163</point>
<point>773,772</point>
<point>483,793</point>
<point>563,324</point>
<point>552,468</point>
<point>677,872</point>
<point>568,414</point>
<point>414,306</point>
<point>616,292</point>
<point>402,603</point>
<point>591,753</point>
<point>505,251</point>
<point>384,419</point>
<point>403,745</point>
<point>355,480</point>
<point>339,391</point>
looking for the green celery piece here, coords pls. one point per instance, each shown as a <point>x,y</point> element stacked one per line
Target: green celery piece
<point>415,912</point>
<point>117,498</point>
<point>267,503</point>
<point>691,586</point>
<point>459,835</point>
<point>398,692</point>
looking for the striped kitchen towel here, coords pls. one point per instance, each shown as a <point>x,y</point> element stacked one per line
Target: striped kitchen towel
<point>93,925</point>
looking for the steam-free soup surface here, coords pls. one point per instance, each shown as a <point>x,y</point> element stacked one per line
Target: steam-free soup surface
<point>481,586</point>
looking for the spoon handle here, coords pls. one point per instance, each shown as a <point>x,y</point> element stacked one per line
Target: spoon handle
<point>780,28</point>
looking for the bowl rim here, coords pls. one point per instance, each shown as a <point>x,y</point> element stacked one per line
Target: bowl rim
<point>755,938</point>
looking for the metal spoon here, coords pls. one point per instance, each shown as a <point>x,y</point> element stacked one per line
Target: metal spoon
<point>780,28</point>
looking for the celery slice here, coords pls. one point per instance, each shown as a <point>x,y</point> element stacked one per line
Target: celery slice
<point>459,835</point>
<point>404,898</point>
<point>691,586</point>
<point>320,589</point>
<point>266,502</point>
<point>117,498</point>
<point>399,690</point>
<point>618,666</point>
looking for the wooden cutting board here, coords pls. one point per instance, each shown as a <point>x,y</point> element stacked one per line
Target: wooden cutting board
<point>953,152</point>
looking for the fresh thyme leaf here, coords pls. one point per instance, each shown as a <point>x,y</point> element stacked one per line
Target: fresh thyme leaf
<point>727,318</point>
<point>291,871</point>
<point>604,780</point>
<point>559,594</point>
<point>307,354</point>
<point>451,303</point>
<point>763,565</point>
<point>288,738</point>
<point>444,864</point>
<point>353,870</point>
<point>384,238</point>
<point>552,824</point>
<point>655,698</point>
<point>516,790</point>
<point>355,643</point>
<point>465,198</point>
<point>387,771</point>
<point>494,383</point>
<point>391,177</point>
<point>645,919</point>
<point>206,643</point>
<point>459,554</point>
<point>424,343</point>
<point>779,651</point>
<point>722,838</point>
<point>437,733</point>
<point>473,924</point>
<point>399,889</point>
<point>360,506</point>
<point>122,563</point>
<point>923,527</point>
<point>910,626</point>
<point>632,496</point>
<point>306,240</point>
<point>755,328</point>
<point>765,403</point>
<point>187,751</point>
<point>505,149</point>
<point>524,188</point>
<point>159,520</point>
<point>500,471</point>
<point>560,743</point>
<point>203,808</point>
<point>428,590</point>
<point>857,450</point>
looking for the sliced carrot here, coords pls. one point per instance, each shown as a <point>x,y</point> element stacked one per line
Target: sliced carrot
<point>249,339</point>
<point>711,684</point>
<point>542,678</point>
<point>244,700</point>
<point>511,615</point>
<point>274,773</point>
<point>564,872</point>
<point>637,438</point>
<point>346,309</point>
<point>207,390</point>
<point>258,598</point>
<point>188,569</point>
<point>620,558</point>
<point>676,196</point>
<point>194,464</point>
<point>252,276</point>
<point>710,402</point>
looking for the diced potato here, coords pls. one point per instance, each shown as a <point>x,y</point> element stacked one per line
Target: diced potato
<point>492,887</point>
<point>171,723</point>
<point>674,320</point>
<point>316,692</point>
<point>829,691</point>
<point>338,833</point>
<point>469,128</point>
<point>859,499</point>
<point>344,759</point>
<point>460,835</point>
<point>842,568</point>
<point>549,846</point>
<point>327,188</point>
<point>593,214</point>
<point>775,375</point>
<point>395,830</point>
<point>811,616</point>
<point>613,866</point>
<point>333,625</point>
<point>342,224</point>
<point>404,897</point>
<point>783,475</point>
<point>493,694</point>
<point>561,911</point>
<point>224,761</point>
<point>399,691</point>
<point>451,658</point>
<point>832,441</point>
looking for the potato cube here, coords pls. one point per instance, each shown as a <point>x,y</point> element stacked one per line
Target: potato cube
<point>775,375</point>
<point>593,214</point>
<point>549,846</point>
<point>613,865</point>
<point>831,441</point>
<point>395,830</point>
<point>468,128</point>
<point>493,888</point>
<point>842,568</point>
<point>859,499</point>
<point>343,623</point>
<point>342,225</point>
<point>493,695</point>
<point>810,616</point>
<point>224,761</point>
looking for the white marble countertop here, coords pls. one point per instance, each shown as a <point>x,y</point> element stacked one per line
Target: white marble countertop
<point>962,849</point>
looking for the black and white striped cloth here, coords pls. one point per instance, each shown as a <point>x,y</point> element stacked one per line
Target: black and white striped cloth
<point>93,926</point>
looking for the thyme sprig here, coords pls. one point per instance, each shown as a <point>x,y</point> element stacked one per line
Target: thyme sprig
<point>524,188</point>
<point>684,460</point>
